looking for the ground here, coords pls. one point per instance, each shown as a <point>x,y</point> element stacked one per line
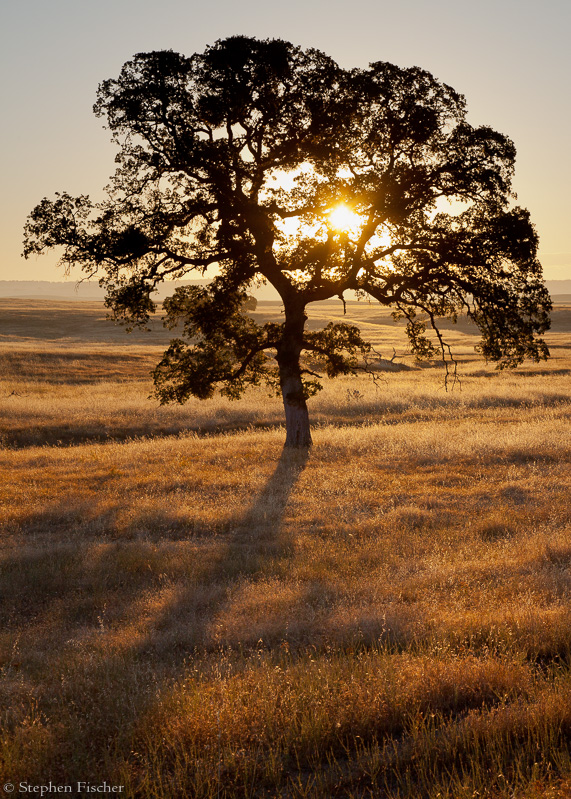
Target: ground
<point>189,611</point>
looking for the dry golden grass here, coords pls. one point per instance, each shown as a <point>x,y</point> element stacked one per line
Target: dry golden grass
<point>188,611</point>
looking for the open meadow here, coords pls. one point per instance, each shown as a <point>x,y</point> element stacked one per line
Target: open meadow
<point>189,611</point>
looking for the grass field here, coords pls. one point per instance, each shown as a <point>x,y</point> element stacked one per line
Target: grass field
<point>188,611</point>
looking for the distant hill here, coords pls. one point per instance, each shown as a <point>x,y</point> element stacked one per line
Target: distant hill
<point>70,290</point>
<point>38,289</point>
<point>560,290</point>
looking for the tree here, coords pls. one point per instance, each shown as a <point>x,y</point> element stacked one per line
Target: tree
<point>278,166</point>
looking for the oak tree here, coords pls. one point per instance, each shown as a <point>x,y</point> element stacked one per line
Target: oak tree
<point>271,164</point>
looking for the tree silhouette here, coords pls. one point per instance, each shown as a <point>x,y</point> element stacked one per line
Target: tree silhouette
<point>279,167</point>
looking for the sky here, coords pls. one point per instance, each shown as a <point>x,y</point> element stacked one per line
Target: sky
<point>510,58</point>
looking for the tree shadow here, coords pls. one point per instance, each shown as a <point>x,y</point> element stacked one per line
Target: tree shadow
<point>106,686</point>
<point>257,546</point>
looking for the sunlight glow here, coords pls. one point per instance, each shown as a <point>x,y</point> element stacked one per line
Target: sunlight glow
<point>342,218</point>
<point>339,219</point>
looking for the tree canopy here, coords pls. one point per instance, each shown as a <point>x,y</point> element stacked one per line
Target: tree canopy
<point>275,165</point>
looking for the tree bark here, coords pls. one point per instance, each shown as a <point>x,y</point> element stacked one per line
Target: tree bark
<point>298,433</point>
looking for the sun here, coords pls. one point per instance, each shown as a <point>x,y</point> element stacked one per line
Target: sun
<point>342,218</point>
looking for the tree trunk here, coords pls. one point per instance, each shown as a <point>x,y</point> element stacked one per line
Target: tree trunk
<point>298,433</point>
<point>297,418</point>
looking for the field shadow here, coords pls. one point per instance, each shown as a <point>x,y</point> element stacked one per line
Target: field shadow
<point>257,545</point>
<point>28,436</point>
<point>82,601</point>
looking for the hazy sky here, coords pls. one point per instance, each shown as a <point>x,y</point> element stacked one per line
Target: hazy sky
<point>510,58</point>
